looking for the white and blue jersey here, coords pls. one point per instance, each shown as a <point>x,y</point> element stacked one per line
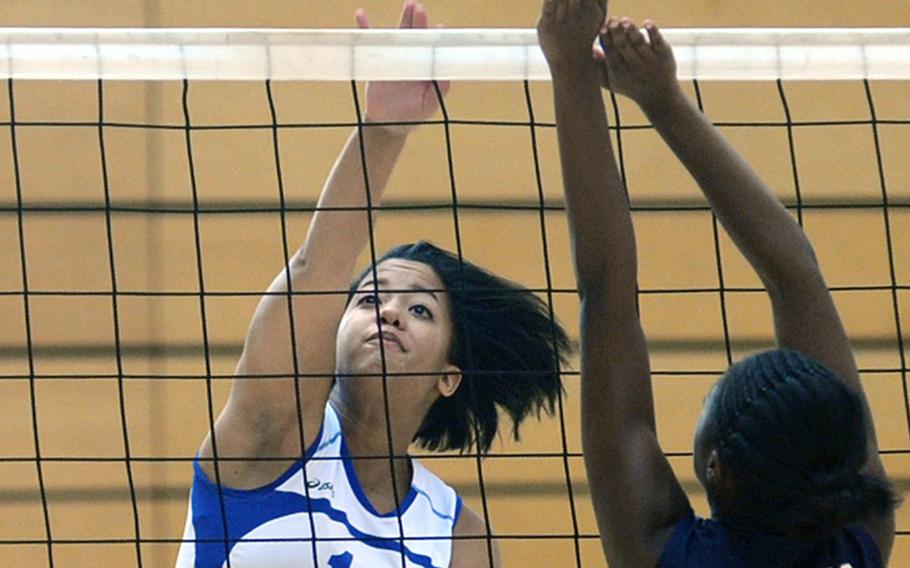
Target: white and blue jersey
<point>275,525</point>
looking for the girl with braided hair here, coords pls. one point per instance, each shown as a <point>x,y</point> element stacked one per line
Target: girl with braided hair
<point>786,446</point>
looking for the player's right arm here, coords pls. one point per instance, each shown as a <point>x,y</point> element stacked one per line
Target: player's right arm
<point>805,316</point>
<point>268,405</point>
<point>264,413</point>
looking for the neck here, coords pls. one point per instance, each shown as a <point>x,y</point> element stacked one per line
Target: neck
<point>367,435</point>
<point>368,429</point>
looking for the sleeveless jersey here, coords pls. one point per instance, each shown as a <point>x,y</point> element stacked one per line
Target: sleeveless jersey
<point>274,525</point>
<point>706,543</point>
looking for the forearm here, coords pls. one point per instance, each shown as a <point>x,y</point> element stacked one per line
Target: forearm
<point>603,240</point>
<point>805,316</point>
<point>326,260</point>
<point>760,226</point>
<point>340,228</point>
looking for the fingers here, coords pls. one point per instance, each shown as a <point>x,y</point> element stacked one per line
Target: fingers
<point>407,15</point>
<point>562,10</point>
<point>413,16</point>
<point>619,41</point>
<point>361,17</point>
<point>637,40</point>
<point>606,39</point>
<point>658,43</point>
<point>626,40</point>
<point>573,6</point>
<point>444,87</point>
<point>420,19</point>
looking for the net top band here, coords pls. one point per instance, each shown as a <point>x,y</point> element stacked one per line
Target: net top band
<point>739,54</point>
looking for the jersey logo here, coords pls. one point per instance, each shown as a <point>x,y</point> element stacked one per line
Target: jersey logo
<point>341,560</point>
<point>320,486</point>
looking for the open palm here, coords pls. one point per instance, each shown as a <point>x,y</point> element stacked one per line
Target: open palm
<point>402,101</point>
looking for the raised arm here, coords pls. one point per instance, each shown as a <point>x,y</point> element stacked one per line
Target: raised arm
<point>263,415</point>
<point>805,316</point>
<point>637,498</point>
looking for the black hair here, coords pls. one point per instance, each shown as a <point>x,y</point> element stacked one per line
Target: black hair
<point>504,341</point>
<point>794,437</point>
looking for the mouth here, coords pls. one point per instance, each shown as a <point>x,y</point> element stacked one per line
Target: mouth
<point>387,338</point>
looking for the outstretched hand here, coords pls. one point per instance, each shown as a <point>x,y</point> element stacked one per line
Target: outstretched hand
<point>402,101</point>
<point>644,71</point>
<point>567,29</point>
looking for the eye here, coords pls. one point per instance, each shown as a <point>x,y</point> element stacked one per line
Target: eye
<point>421,311</point>
<point>368,299</point>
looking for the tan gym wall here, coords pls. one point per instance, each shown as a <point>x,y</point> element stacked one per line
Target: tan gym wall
<point>73,335</point>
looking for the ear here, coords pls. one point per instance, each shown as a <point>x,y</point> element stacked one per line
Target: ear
<point>448,383</point>
<point>714,471</point>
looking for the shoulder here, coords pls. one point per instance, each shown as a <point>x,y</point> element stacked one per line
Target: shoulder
<point>442,499</point>
<point>246,446</point>
<point>874,540</point>
<point>695,541</point>
<point>473,545</point>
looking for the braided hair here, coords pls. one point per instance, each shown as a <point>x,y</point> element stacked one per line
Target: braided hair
<point>794,437</point>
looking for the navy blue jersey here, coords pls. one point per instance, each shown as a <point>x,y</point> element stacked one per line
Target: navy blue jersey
<point>705,543</point>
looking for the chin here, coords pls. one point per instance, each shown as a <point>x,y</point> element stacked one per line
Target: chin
<point>372,365</point>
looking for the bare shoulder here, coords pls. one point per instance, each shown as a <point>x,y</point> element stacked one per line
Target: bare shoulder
<point>473,546</point>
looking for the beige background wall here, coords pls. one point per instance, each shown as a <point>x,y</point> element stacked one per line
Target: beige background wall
<point>77,409</point>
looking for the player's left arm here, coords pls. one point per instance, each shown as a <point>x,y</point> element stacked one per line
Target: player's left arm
<point>636,496</point>
<point>472,547</point>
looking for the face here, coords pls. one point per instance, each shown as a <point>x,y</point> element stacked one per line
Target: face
<point>721,486</point>
<point>401,317</point>
<point>702,443</point>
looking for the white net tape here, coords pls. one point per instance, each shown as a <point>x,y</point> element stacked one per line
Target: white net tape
<point>466,54</point>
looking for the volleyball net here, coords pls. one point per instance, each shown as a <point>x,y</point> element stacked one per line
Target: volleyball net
<point>147,201</point>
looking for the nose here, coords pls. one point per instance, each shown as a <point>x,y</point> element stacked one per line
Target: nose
<point>389,314</point>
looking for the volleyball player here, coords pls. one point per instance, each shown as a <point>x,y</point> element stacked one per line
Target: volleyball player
<point>785,447</point>
<point>425,349</point>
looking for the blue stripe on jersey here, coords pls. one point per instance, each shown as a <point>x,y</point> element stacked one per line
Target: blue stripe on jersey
<point>457,511</point>
<point>206,510</point>
<point>245,515</point>
<point>432,508</point>
<point>247,510</point>
<point>354,482</point>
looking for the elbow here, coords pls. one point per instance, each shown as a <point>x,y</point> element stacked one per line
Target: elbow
<point>610,305</point>
<point>597,290</point>
<point>615,288</point>
<point>589,288</point>
<point>807,259</point>
<point>799,271</point>
<point>299,266</point>
<point>297,261</point>
<point>594,279</point>
<point>607,271</point>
